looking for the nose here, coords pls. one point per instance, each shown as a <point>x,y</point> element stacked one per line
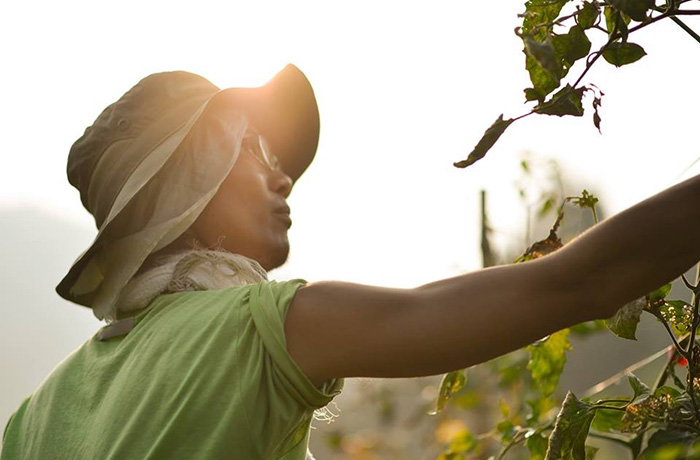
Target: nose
<point>281,183</point>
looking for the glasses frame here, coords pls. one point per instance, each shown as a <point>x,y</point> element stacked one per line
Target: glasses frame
<point>257,145</point>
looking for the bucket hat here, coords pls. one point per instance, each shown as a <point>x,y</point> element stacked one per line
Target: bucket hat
<point>145,177</point>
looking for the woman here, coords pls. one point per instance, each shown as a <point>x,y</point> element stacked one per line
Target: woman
<point>205,358</point>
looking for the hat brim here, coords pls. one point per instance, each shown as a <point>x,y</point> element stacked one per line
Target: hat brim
<point>284,110</point>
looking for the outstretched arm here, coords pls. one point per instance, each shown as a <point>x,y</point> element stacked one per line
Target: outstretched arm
<point>337,329</point>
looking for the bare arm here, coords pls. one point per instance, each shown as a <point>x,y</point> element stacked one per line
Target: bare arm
<point>337,329</point>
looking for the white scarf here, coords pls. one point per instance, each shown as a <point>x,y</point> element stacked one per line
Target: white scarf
<point>188,270</point>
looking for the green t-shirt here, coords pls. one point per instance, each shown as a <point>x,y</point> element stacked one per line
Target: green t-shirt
<point>202,375</point>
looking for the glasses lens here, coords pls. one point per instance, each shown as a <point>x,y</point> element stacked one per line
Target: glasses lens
<point>257,145</point>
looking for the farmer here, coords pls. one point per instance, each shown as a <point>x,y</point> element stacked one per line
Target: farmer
<point>203,357</point>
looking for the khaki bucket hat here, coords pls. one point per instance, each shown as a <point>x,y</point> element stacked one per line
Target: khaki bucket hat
<point>145,178</point>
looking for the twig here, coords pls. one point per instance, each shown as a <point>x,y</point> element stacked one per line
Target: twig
<point>685,27</point>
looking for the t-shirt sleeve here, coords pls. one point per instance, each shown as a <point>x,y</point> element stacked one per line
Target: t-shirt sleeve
<point>269,303</point>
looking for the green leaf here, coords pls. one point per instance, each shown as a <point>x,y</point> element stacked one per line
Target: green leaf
<point>463,441</point>
<point>572,46</point>
<point>660,294</point>
<point>588,328</point>
<point>539,12</point>
<point>547,360</point>
<point>544,54</point>
<point>507,430</point>
<point>619,54</point>
<point>607,420</point>
<point>566,101</point>
<point>654,409</point>
<point>624,322</point>
<point>568,439</point>
<point>588,15</point>
<point>537,445</point>
<point>635,9</point>
<point>484,145</point>
<point>616,21</point>
<point>543,82</point>
<point>671,444</point>
<point>450,384</point>
<point>591,452</point>
<point>679,314</point>
<point>640,388</point>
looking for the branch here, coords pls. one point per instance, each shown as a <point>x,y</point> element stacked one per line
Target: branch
<point>685,27</point>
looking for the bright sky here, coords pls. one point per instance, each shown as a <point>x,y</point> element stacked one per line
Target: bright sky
<point>404,88</point>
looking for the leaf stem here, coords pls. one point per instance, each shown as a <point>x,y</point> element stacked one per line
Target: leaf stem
<point>678,346</point>
<point>610,437</point>
<point>603,406</point>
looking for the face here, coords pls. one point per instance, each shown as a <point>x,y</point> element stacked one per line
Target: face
<point>249,214</point>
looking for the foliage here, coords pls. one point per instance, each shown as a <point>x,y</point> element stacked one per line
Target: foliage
<point>554,43</point>
<point>657,422</point>
<point>662,422</point>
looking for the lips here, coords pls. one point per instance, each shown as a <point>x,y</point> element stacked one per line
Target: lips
<point>283,213</point>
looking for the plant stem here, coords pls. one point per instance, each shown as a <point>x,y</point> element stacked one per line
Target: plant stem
<point>692,361</point>
<point>685,27</point>
<point>610,437</point>
<point>678,346</point>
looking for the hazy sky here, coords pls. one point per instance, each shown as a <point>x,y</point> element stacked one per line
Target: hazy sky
<point>404,89</point>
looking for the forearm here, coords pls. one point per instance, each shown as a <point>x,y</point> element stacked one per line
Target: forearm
<point>498,310</point>
<point>639,249</point>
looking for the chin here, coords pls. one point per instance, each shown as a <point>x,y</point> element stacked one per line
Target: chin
<point>275,259</point>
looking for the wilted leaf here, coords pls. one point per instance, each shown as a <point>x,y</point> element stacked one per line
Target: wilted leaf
<point>624,322</point>
<point>484,145</point>
<point>450,384</point>
<point>588,15</point>
<point>568,439</point>
<point>547,360</point>
<point>546,246</point>
<point>619,54</point>
<point>597,102</point>
<point>566,101</point>
<point>635,9</point>
<point>586,200</point>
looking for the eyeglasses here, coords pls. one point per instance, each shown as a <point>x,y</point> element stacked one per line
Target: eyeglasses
<point>257,145</point>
